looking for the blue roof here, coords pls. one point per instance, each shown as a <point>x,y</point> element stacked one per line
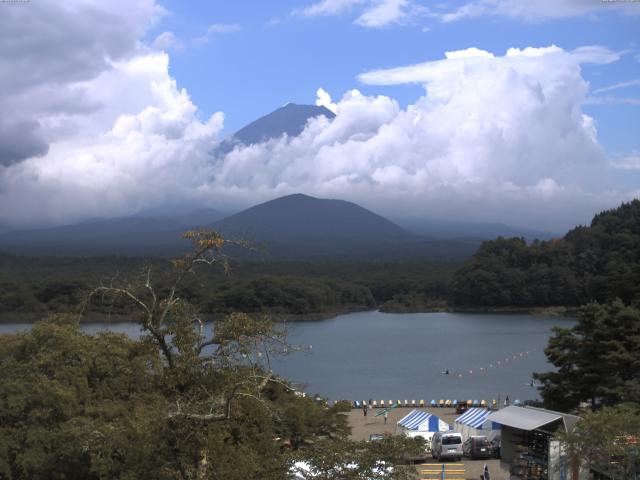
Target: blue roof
<point>474,417</point>
<point>425,421</point>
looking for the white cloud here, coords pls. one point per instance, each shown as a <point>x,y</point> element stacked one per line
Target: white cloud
<point>596,54</point>
<point>373,13</point>
<point>166,41</point>
<point>103,129</point>
<point>217,29</point>
<point>537,10</point>
<point>495,137</point>
<point>324,100</point>
<point>612,100</point>
<point>383,13</point>
<point>626,162</point>
<point>616,86</point>
<point>328,7</point>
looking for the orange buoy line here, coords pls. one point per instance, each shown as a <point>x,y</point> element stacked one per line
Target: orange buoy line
<point>485,368</point>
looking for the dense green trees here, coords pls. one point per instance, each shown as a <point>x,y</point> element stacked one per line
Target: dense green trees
<point>600,262</point>
<point>38,286</point>
<point>607,441</point>
<point>597,361</point>
<point>177,404</point>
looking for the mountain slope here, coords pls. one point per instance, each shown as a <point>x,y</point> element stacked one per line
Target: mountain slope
<point>438,228</point>
<point>312,221</point>
<point>600,262</point>
<point>289,119</point>
<point>136,235</point>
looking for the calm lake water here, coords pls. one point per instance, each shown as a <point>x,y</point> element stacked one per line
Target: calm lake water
<point>403,356</point>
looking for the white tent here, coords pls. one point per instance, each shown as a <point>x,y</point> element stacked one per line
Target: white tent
<point>475,422</point>
<point>419,423</point>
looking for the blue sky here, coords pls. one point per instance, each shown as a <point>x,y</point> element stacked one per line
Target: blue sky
<point>522,112</point>
<point>276,56</point>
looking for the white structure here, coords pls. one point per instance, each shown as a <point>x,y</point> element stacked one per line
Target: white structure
<point>419,423</point>
<point>528,438</point>
<point>474,422</point>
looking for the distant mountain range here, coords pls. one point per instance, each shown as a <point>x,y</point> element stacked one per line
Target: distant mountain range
<point>134,235</point>
<point>292,227</point>
<point>442,229</point>
<point>307,220</point>
<point>289,119</point>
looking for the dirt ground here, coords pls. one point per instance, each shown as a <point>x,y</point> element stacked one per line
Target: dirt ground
<point>362,427</point>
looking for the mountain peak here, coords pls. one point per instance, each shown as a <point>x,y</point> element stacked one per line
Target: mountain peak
<point>290,119</point>
<point>302,219</point>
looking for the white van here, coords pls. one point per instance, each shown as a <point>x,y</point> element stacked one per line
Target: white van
<point>446,445</point>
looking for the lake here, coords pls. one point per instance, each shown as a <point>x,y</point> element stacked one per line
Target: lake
<point>403,356</point>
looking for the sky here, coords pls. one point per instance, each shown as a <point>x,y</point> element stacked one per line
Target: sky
<point>526,113</point>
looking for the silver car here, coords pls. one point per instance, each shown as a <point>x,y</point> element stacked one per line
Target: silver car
<point>446,445</point>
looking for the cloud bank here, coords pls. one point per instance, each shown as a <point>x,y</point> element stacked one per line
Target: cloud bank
<point>102,129</point>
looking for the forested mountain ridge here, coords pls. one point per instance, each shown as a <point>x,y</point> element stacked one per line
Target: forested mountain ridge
<point>597,262</point>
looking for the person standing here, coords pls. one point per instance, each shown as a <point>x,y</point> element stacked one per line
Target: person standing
<point>364,409</point>
<point>386,415</point>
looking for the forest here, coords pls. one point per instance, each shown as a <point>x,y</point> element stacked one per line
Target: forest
<point>34,286</point>
<point>599,262</point>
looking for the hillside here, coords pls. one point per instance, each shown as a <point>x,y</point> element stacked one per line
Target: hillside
<point>303,227</point>
<point>135,235</point>
<point>289,119</point>
<point>596,262</point>
<point>303,219</point>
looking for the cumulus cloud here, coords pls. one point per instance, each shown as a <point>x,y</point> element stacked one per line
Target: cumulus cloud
<point>99,128</point>
<point>494,137</point>
<point>47,55</point>
<point>323,99</point>
<point>19,140</point>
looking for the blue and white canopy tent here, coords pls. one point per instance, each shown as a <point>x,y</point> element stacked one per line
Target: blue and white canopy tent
<point>420,421</point>
<point>474,422</point>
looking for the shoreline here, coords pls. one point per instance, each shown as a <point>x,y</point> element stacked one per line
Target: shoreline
<point>558,311</point>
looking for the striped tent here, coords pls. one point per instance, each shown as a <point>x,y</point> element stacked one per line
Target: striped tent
<point>474,422</point>
<point>421,421</point>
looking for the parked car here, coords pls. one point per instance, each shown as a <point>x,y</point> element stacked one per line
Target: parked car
<point>477,447</point>
<point>446,445</point>
<point>495,446</point>
<point>374,437</point>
